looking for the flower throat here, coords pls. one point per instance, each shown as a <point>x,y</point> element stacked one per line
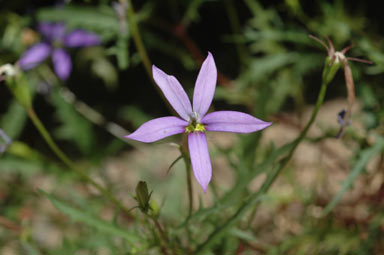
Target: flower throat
<point>194,126</point>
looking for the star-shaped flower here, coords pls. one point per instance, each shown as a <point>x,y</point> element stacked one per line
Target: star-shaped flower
<point>55,37</point>
<point>194,120</point>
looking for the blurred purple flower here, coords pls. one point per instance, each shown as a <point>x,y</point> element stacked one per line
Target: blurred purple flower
<point>55,38</point>
<point>5,141</point>
<point>194,119</point>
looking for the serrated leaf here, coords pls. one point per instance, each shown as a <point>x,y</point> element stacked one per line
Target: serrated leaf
<point>106,71</point>
<point>13,121</point>
<point>261,67</point>
<point>73,126</point>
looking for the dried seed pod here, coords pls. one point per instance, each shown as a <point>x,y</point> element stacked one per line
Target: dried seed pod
<point>334,61</point>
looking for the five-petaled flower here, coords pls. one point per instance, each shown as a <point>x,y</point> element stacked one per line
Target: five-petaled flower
<point>55,37</point>
<point>194,118</point>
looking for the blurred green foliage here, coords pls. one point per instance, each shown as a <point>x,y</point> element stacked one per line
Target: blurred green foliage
<point>267,65</point>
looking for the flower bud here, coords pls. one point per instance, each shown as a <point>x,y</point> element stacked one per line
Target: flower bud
<point>331,66</point>
<point>142,196</point>
<point>17,84</point>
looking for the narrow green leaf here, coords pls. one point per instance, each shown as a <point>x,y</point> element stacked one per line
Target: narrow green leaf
<point>101,19</point>
<point>365,156</point>
<point>122,52</point>
<point>92,220</point>
<point>245,235</point>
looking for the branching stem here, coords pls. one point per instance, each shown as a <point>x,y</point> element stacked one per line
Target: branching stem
<point>256,197</point>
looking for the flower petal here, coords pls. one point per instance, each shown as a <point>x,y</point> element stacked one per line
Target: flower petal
<point>34,56</point>
<point>81,38</point>
<point>174,92</point>
<point>52,31</point>
<point>157,129</point>
<point>205,86</point>
<point>201,163</point>
<point>61,63</point>
<point>231,121</point>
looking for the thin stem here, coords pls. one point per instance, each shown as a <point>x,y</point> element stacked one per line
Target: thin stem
<point>236,28</point>
<point>190,188</point>
<point>256,197</point>
<point>142,51</point>
<point>162,234</point>
<point>87,111</point>
<point>185,154</point>
<point>48,139</point>
<point>65,159</point>
<point>180,32</point>
<point>320,100</point>
<point>96,117</point>
<point>137,39</point>
<point>12,226</point>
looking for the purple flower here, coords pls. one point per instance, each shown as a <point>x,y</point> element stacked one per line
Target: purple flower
<point>5,141</point>
<point>194,118</point>
<point>55,37</point>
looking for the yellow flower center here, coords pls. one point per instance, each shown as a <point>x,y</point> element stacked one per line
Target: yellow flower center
<point>194,126</point>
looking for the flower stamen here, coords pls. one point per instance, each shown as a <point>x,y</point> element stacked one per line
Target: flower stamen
<point>194,126</point>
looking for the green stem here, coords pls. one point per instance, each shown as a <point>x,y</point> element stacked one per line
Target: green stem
<point>48,139</point>
<point>190,188</point>
<point>142,51</point>
<point>185,154</point>
<point>190,197</point>
<point>256,197</point>
<point>137,39</point>
<point>63,157</point>
<point>162,234</point>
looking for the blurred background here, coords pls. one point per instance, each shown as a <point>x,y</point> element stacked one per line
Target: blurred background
<point>268,67</point>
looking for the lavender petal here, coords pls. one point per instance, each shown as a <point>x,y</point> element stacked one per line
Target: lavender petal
<point>201,163</point>
<point>231,121</point>
<point>205,86</point>
<point>34,56</point>
<point>81,38</point>
<point>158,129</point>
<point>174,92</point>
<point>62,63</point>
<point>52,31</point>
